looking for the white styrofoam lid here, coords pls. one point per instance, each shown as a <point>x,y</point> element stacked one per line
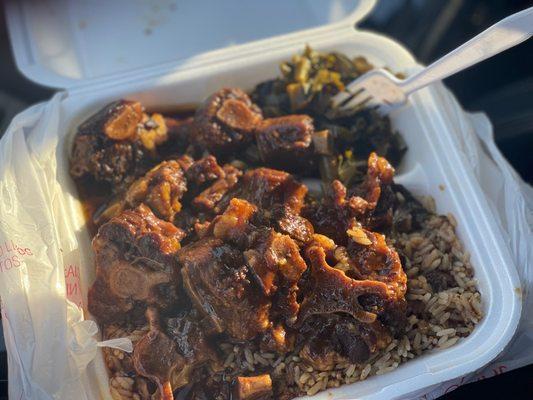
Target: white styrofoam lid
<point>61,43</point>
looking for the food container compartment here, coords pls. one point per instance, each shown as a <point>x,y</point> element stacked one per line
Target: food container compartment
<point>433,165</point>
<point>425,170</point>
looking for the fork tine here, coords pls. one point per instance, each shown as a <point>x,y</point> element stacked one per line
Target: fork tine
<point>340,98</point>
<point>343,98</point>
<point>373,103</point>
<point>358,101</point>
<point>355,86</point>
<point>353,89</point>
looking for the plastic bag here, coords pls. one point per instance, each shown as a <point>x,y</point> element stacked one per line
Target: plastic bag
<point>50,346</point>
<point>49,343</point>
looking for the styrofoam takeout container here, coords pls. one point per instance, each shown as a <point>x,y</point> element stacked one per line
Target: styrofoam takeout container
<point>164,53</point>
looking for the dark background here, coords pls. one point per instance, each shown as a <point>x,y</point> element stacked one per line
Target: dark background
<point>502,87</point>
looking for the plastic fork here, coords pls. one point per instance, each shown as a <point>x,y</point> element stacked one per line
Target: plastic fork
<point>379,88</point>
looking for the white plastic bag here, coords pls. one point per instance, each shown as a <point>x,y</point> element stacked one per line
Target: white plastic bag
<point>49,344</point>
<point>50,347</point>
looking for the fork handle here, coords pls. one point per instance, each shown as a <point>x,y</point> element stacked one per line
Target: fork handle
<point>501,36</point>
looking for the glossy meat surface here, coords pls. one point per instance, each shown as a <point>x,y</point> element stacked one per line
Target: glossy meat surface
<point>155,357</point>
<point>200,248</point>
<point>161,189</point>
<point>216,278</point>
<point>332,291</point>
<point>204,170</point>
<point>267,187</point>
<point>335,338</point>
<point>116,144</point>
<point>287,142</point>
<point>226,121</point>
<point>340,211</point>
<point>135,265</point>
<point>279,198</point>
<point>209,199</point>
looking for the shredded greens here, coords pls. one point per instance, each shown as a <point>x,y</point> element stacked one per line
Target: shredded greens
<point>308,82</point>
